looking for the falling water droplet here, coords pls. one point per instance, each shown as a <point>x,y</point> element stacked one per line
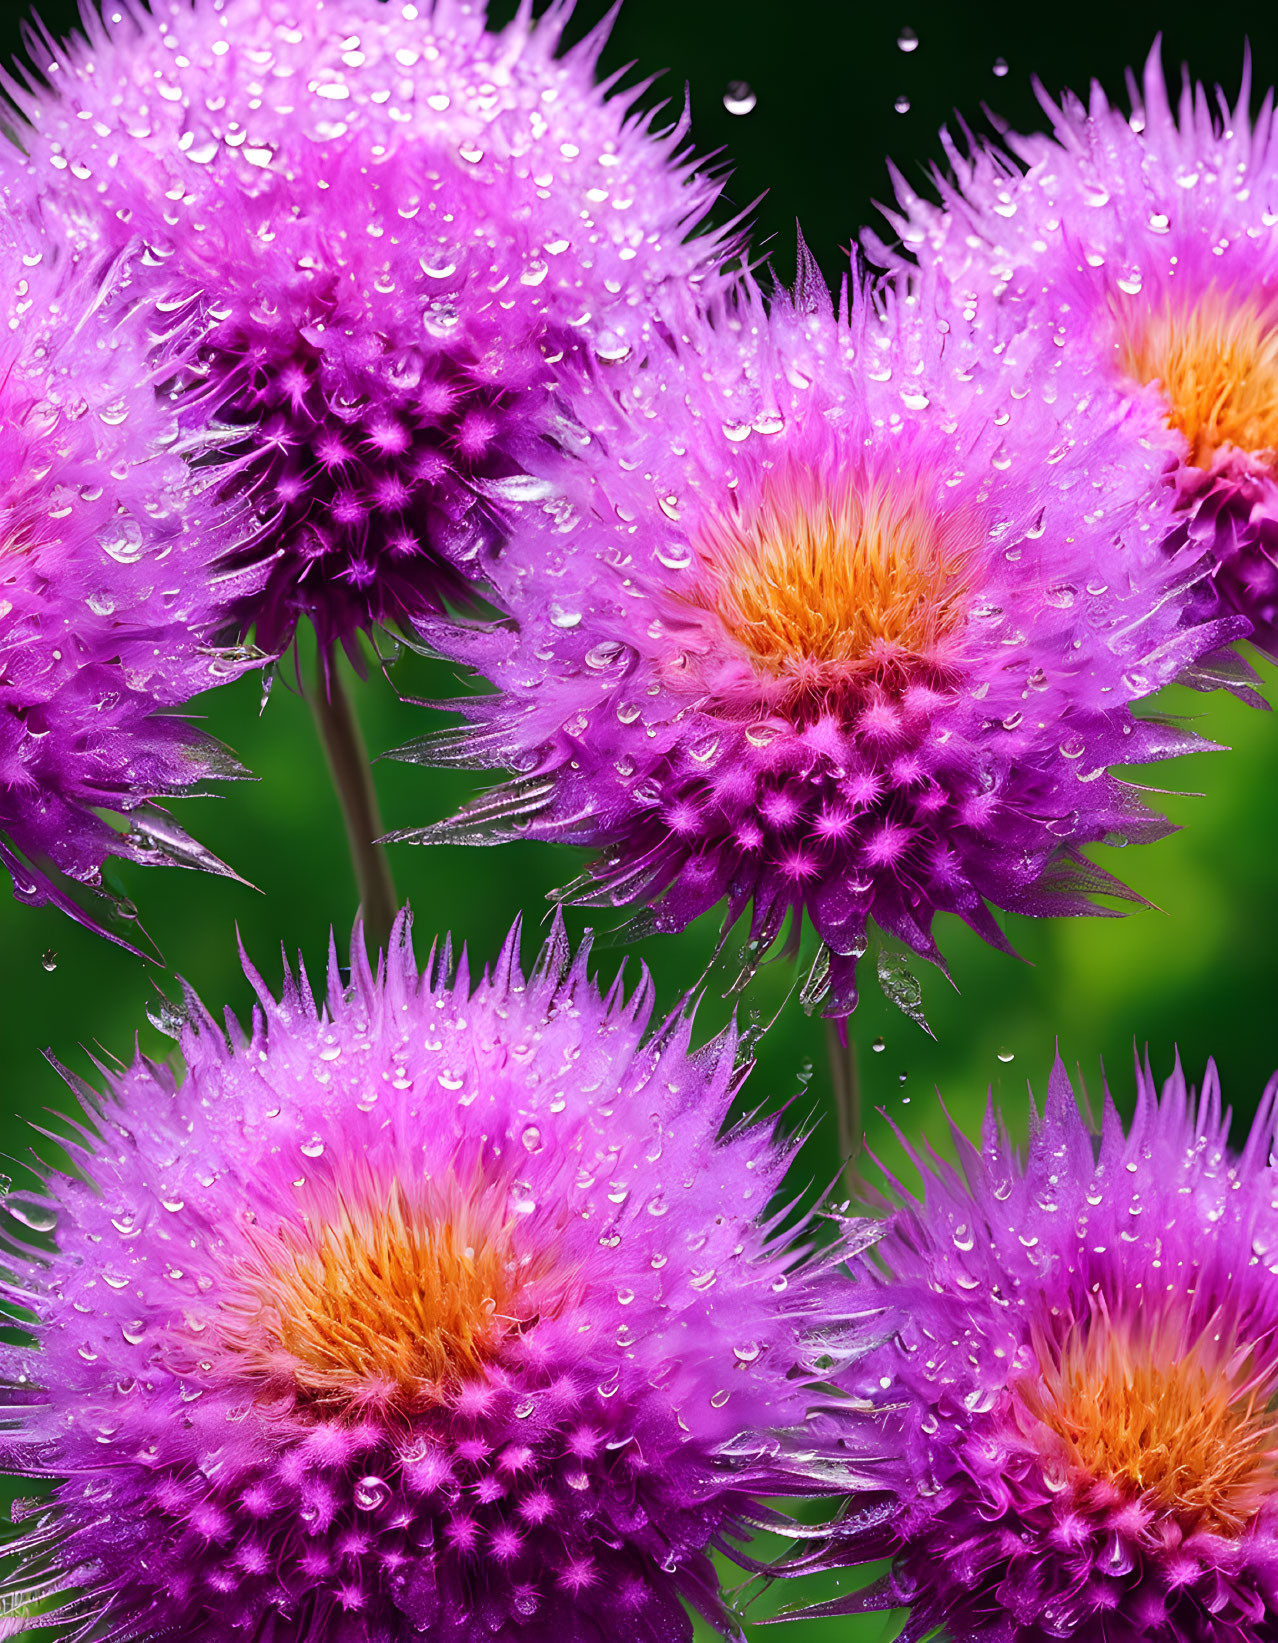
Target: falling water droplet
<point>878,1046</point>
<point>739,98</point>
<point>1007,1055</point>
<point>902,105</point>
<point>907,40</point>
<point>901,1077</point>
<point>49,959</point>
<point>1000,66</point>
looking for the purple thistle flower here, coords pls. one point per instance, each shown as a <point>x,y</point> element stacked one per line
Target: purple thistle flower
<point>1150,238</point>
<point>842,616</point>
<point>431,1311</point>
<point>400,226</point>
<point>110,587</point>
<point>1080,1390</point>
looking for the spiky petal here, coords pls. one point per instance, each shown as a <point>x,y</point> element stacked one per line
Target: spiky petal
<point>839,616</point>
<point>436,1309</point>
<point>401,226</point>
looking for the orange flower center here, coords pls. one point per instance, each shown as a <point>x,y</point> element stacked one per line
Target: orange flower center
<point>1217,364</point>
<point>384,1302</point>
<point>1190,1431</point>
<point>835,582</point>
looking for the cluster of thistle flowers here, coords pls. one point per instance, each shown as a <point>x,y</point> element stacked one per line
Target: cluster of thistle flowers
<point>459,1311</point>
<point>453,1311</point>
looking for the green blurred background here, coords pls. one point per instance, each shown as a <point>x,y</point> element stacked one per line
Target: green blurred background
<point>1196,971</point>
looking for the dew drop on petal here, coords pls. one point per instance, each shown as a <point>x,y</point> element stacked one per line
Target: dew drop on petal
<point>39,1217</point>
<point>371,1492</point>
<point>902,987</point>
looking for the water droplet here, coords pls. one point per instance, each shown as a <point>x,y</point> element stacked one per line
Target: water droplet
<point>901,1077</point>
<point>532,1139</point>
<point>902,104</point>
<point>739,98</point>
<point>902,987</point>
<point>371,1493</point>
<point>1000,66</point>
<point>522,1200</point>
<point>49,959</point>
<point>878,1046</point>
<point>747,1353</point>
<point>907,40</point>
<point>1007,1055</point>
<point>39,1217</point>
<point>314,1148</point>
<point>166,1017</point>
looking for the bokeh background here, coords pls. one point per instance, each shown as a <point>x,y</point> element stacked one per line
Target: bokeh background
<point>834,93</point>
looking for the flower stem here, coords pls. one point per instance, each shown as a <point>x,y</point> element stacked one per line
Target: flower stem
<point>352,775</point>
<point>847,1102</point>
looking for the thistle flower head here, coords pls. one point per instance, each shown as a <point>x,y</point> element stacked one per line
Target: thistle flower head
<point>436,1309</point>
<point>1150,237</point>
<point>398,226</point>
<point>110,584</point>
<point>1081,1386</point>
<point>842,616</point>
